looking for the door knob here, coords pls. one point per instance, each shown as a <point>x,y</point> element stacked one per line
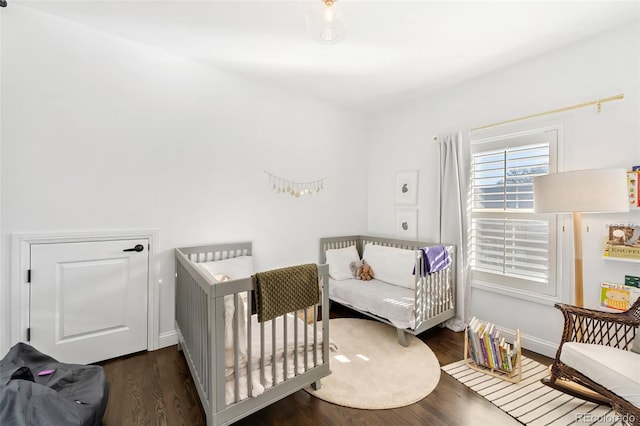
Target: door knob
<point>138,248</point>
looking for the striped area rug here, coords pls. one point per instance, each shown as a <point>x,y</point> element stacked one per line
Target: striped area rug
<point>529,401</point>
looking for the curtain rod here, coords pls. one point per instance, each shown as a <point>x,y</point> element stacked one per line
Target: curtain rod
<point>597,102</point>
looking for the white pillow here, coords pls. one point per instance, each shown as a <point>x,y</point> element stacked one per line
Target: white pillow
<point>233,268</point>
<point>339,261</point>
<point>391,265</point>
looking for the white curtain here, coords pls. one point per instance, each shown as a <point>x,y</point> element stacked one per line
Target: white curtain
<point>454,220</point>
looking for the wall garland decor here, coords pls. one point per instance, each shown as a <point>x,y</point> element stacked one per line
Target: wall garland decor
<point>295,189</point>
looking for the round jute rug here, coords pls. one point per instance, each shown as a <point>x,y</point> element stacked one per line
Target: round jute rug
<point>372,371</point>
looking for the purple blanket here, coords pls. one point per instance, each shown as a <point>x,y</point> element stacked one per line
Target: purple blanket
<point>435,258</point>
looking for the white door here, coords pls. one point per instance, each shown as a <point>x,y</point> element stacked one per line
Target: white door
<point>89,299</point>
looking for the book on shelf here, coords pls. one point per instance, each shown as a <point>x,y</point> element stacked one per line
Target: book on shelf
<point>508,359</point>
<point>622,241</point>
<point>473,349</point>
<point>633,183</point>
<point>487,344</point>
<point>618,296</point>
<point>488,347</point>
<point>503,354</point>
<point>632,281</point>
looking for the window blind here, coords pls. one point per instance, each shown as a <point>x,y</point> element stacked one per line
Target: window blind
<point>507,238</point>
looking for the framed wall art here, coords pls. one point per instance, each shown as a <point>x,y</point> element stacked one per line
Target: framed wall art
<point>406,225</point>
<point>406,187</point>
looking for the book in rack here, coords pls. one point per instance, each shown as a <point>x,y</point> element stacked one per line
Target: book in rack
<point>487,351</point>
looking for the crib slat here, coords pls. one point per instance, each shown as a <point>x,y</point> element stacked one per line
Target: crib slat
<point>437,283</point>
<point>273,351</point>
<point>306,342</point>
<point>249,363</point>
<point>202,335</point>
<point>295,344</point>
<point>285,354</point>
<point>236,355</point>
<point>419,292</point>
<point>437,293</point>
<point>443,294</point>
<point>217,358</point>
<point>315,337</point>
<point>263,378</point>
<point>431,295</point>
<point>205,336</point>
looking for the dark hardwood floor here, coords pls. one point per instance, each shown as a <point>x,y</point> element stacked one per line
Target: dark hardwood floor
<point>155,388</point>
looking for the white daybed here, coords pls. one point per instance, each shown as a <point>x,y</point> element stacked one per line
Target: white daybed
<point>228,352</point>
<point>410,302</point>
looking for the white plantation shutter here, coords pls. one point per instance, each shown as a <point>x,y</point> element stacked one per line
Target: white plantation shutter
<point>510,245</point>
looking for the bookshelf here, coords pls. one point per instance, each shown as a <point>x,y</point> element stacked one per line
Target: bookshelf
<point>621,259</point>
<point>510,370</point>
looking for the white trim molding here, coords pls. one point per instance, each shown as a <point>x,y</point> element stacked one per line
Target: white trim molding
<point>516,293</point>
<point>167,338</point>
<point>531,343</point>
<point>20,264</point>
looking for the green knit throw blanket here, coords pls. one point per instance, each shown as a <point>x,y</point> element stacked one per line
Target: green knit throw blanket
<point>284,290</point>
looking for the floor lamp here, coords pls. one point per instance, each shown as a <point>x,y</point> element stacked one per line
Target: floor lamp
<point>577,192</point>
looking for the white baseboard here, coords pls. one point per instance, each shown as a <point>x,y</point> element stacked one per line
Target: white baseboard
<point>534,344</point>
<point>542,347</point>
<point>167,338</point>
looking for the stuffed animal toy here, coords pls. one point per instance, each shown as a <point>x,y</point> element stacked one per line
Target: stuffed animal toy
<point>356,268</point>
<point>366,273</point>
<point>361,270</point>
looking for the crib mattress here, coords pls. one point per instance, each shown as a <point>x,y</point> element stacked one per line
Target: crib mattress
<point>388,301</point>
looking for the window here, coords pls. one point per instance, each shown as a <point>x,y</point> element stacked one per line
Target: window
<point>511,246</point>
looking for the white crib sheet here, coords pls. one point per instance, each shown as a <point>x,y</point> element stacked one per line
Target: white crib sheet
<point>388,301</point>
<point>258,387</point>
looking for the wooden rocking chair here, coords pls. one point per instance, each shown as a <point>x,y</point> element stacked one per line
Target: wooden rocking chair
<point>583,325</point>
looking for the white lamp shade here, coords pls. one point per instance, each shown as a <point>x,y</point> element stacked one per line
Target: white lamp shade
<point>585,191</point>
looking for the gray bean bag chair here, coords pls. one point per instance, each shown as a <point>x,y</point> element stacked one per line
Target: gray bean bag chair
<point>35,389</point>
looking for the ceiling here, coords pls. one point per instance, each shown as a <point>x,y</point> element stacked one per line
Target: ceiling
<point>391,48</point>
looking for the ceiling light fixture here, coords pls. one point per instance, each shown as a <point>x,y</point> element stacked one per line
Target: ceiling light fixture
<point>329,33</point>
<point>325,18</point>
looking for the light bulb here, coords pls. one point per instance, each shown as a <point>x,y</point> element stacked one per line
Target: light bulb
<point>328,14</point>
<point>326,21</point>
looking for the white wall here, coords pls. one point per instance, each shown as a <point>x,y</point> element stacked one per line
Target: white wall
<point>402,138</point>
<point>100,133</point>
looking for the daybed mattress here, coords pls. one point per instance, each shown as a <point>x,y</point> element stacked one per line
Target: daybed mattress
<point>388,301</point>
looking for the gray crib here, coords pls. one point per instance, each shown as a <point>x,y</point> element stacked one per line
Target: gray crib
<point>430,303</point>
<point>200,325</point>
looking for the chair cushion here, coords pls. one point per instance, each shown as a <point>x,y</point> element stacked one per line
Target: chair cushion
<point>616,369</point>
<point>635,347</point>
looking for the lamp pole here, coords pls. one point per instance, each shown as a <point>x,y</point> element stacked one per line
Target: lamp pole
<point>577,255</point>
